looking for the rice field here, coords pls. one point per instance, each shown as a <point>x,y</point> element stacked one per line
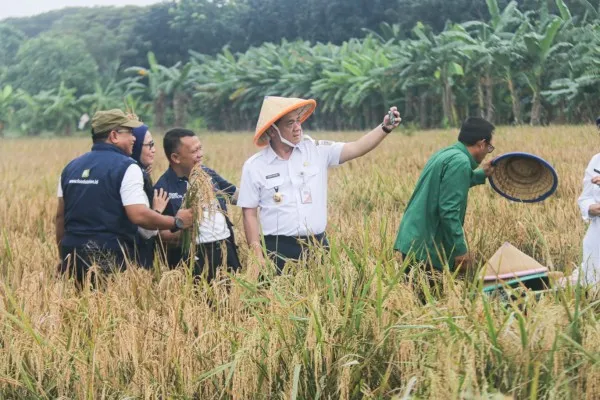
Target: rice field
<point>346,325</point>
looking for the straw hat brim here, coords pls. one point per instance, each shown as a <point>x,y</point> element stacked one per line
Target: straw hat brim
<point>523,177</point>
<point>308,107</point>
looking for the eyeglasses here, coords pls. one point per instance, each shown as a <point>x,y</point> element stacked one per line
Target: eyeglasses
<point>490,148</point>
<point>150,144</point>
<point>129,131</point>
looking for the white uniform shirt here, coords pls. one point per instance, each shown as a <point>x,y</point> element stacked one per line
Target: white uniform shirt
<point>590,266</point>
<point>301,181</point>
<point>213,226</point>
<point>132,192</point>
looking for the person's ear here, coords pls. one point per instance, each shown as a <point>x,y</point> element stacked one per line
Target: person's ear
<point>174,158</point>
<point>112,136</point>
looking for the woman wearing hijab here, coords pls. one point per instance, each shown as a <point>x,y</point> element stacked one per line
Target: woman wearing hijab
<point>143,154</point>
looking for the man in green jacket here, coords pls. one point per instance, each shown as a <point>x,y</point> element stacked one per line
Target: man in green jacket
<point>431,230</point>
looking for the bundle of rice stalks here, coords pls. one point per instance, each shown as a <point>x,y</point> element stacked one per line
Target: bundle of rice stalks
<point>199,197</point>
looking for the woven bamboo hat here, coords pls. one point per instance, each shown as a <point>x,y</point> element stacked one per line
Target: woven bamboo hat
<point>508,262</point>
<point>523,177</point>
<point>273,108</point>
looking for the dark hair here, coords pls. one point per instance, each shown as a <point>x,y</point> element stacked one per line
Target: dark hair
<point>172,140</point>
<point>475,129</point>
<point>100,137</point>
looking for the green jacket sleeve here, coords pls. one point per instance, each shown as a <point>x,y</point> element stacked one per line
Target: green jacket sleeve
<point>478,177</point>
<point>454,189</point>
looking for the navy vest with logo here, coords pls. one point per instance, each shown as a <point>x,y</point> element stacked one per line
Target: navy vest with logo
<point>94,210</point>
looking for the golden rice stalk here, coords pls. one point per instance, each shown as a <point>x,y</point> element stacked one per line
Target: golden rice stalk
<point>199,197</point>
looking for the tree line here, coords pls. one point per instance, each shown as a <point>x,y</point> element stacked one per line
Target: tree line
<point>534,62</point>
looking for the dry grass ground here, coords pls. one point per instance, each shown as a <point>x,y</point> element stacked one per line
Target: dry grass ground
<point>349,325</point>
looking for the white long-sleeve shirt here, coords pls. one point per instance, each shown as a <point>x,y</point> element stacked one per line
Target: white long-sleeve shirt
<point>590,266</point>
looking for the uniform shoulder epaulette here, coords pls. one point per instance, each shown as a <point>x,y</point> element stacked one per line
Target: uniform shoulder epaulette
<point>255,156</point>
<point>325,143</point>
<point>309,139</point>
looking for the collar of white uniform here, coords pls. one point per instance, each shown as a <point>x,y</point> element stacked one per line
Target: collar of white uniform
<point>272,156</point>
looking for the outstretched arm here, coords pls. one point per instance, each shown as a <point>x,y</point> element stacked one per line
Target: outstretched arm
<point>369,141</point>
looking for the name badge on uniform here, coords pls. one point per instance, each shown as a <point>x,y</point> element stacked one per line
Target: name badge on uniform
<point>305,194</point>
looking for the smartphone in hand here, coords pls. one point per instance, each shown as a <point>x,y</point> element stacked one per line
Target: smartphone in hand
<point>392,119</point>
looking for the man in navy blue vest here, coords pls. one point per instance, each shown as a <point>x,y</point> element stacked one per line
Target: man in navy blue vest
<point>101,201</point>
<point>184,150</point>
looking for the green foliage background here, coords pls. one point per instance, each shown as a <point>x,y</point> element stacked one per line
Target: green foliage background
<point>209,63</point>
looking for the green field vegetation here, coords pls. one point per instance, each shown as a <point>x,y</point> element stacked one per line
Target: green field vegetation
<point>533,62</point>
<point>347,324</point>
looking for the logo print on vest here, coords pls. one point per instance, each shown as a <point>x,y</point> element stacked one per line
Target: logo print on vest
<point>86,173</point>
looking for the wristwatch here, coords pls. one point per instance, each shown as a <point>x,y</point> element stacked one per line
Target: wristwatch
<point>385,129</point>
<point>178,224</point>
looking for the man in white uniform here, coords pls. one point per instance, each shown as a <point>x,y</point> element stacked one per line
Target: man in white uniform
<point>287,180</point>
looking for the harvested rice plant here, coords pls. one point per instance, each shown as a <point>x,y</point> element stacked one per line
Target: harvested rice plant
<point>347,324</point>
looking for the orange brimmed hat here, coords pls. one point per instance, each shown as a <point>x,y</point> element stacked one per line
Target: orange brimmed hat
<point>273,108</point>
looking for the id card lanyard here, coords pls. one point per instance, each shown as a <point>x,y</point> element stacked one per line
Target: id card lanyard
<point>305,193</point>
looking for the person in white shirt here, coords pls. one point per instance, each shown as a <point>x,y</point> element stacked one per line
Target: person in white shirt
<point>215,240</point>
<point>589,204</point>
<point>287,179</point>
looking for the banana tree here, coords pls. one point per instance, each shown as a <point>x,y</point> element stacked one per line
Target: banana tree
<point>448,52</point>
<point>176,86</point>
<point>7,100</point>
<point>574,93</point>
<point>215,86</point>
<point>592,13</point>
<point>479,64</point>
<point>62,112</point>
<point>104,97</point>
<point>542,47</point>
<point>492,59</point>
<point>229,88</point>
<point>30,111</point>
<point>357,80</point>
<point>415,75</point>
<point>370,85</point>
<point>156,77</point>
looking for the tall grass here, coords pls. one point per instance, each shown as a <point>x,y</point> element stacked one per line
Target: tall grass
<point>347,324</point>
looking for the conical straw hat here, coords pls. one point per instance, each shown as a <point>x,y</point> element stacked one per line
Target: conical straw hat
<point>523,177</point>
<point>273,108</point>
<point>509,262</point>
